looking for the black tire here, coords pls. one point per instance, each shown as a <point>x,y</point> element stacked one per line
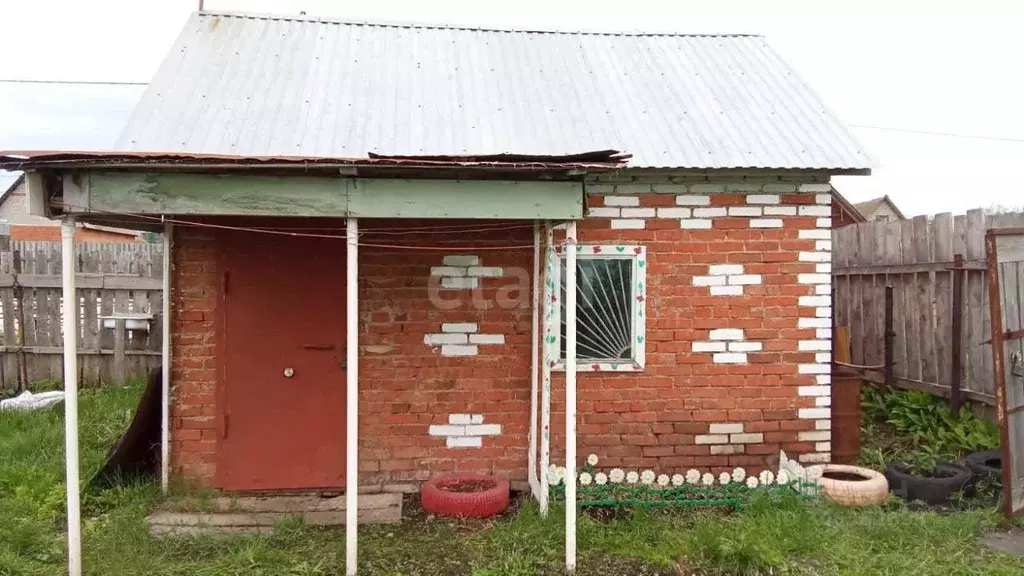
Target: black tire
<point>910,487</point>
<point>987,464</point>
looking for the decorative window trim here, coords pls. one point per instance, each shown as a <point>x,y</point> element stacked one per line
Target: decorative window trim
<point>638,255</point>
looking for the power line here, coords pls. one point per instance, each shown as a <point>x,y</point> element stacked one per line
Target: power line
<point>943,134</point>
<point>75,82</point>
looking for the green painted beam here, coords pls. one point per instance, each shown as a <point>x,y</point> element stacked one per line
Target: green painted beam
<point>251,195</point>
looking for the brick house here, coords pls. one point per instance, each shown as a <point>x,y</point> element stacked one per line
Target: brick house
<point>23,226</point>
<point>458,177</point>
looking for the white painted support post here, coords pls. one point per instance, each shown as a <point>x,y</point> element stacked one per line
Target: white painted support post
<point>545,393</point>
<point>352,395</point>
<point>570,397</point>
<point>70,317</point>
<point>531,467</point>
<point>165,363</point>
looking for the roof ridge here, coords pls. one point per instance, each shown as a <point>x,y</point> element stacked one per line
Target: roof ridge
<point>428,26</point>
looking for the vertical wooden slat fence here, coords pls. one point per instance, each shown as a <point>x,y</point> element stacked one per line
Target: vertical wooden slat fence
<point>915,257</point>
<point>113,279</point>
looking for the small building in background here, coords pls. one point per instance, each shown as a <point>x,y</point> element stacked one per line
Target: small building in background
<point>23,226</point>
<point>843,212</point>
<point>881,209</point>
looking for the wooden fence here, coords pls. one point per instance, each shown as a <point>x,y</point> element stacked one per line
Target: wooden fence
<point>118,285</point>
<point>916,258</point>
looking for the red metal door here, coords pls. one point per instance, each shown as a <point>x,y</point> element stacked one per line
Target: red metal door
<point>283,393</point>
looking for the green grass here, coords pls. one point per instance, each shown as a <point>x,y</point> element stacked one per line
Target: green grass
<point>768,537</point>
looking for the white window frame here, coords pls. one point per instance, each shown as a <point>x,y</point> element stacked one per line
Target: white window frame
<point>638,255</point>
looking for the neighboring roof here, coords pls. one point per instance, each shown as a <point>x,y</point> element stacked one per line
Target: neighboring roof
<point>869,207</point>
<point>846,206</point>
<point>253,85</point>
<point>7,192</point>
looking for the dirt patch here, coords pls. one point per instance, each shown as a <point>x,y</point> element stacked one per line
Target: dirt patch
<point>467,486</point>
<point>844,476</point>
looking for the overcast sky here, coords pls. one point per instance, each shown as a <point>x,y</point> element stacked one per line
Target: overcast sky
<point>949,67</point>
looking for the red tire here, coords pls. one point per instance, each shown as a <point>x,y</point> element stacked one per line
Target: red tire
<point>487,502</point>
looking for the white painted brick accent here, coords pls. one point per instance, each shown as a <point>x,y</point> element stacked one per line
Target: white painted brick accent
<point>813,278</point>
<point>726,334</point>
<point>726,290</point>
<point>825,268</point>
<point>756,438</point>
<point>745,346</point>
<point>822,289</point>
<point>711,439</point>
<point>823,401</point>
<point>602,212</point>
<point>823,222</point>
<point>766,223</point>
<point>763,199</point>
<point>823,333</point>
<point>823,425</point>
<point>815,211</point>
<point>814,369</point>
<point>459,283</point>
<point>814,391</point>
<point>823,311</point>
<point>438,339</point>
<point>483,430</point>
<point>815,257</point>
<point>725,269</point>
<point>823,379</point>
<point>815,234</point>
<point>709,212</point>
<point>825,245</point>
<point>487,339</point>
<point>815,458</point>
<point>745,279</point>
<point>729,358</point>
<point>446,430</point>
<point>485,271</point>
<point>709,280</point>
<point>708,347</point>
<point>693,200</point>
<point>817,187</point>
<point>823,446</point>
<point>780,210</point>
<point>447,271</point>
<point>674,212</point>
<point>823,357</point>
<point>813,323</point>
<point>638,212</point>
<point>814,300</point>
<point>726,428</point>
<point>464,442</point>
<point>461,260</point>
<point>628,225</point>
<point>456,327</point>
<point>456,350</point>
<point>744,211</point>
<point>459,418</point>
<point>813,413</point>
<point>695,224</point>
<point>823,199</point>
<point>812,345</point>
<point>722,449</point>
<point>622,200</point>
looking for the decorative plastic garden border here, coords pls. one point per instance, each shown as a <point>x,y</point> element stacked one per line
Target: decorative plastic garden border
<point>631,489</point>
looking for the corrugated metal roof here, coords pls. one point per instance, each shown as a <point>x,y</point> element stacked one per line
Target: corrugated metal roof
<point>266,86</point>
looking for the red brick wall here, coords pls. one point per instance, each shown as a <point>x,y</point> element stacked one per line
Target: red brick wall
<point>653,418</point>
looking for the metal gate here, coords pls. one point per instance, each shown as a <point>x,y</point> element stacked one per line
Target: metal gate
<point>1005,259</point>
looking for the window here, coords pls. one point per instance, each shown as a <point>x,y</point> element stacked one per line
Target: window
<point>610,308</point>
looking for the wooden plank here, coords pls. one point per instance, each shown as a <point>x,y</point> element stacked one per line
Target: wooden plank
<point>942,249</point>
<point>911,314</point>
<point>119,369</point>
<point>1010,248</point>
<point>880,282</point>
<point>47,350</point>
<point>899,269</point>
<point>925,306</point>
<point>894,256</point>
<point>858,309</point>
<point>977,326</point>
<point>243,194</point>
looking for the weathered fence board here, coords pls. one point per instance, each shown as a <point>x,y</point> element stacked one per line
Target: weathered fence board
<point>916,258</point>
<point>111,278</point>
